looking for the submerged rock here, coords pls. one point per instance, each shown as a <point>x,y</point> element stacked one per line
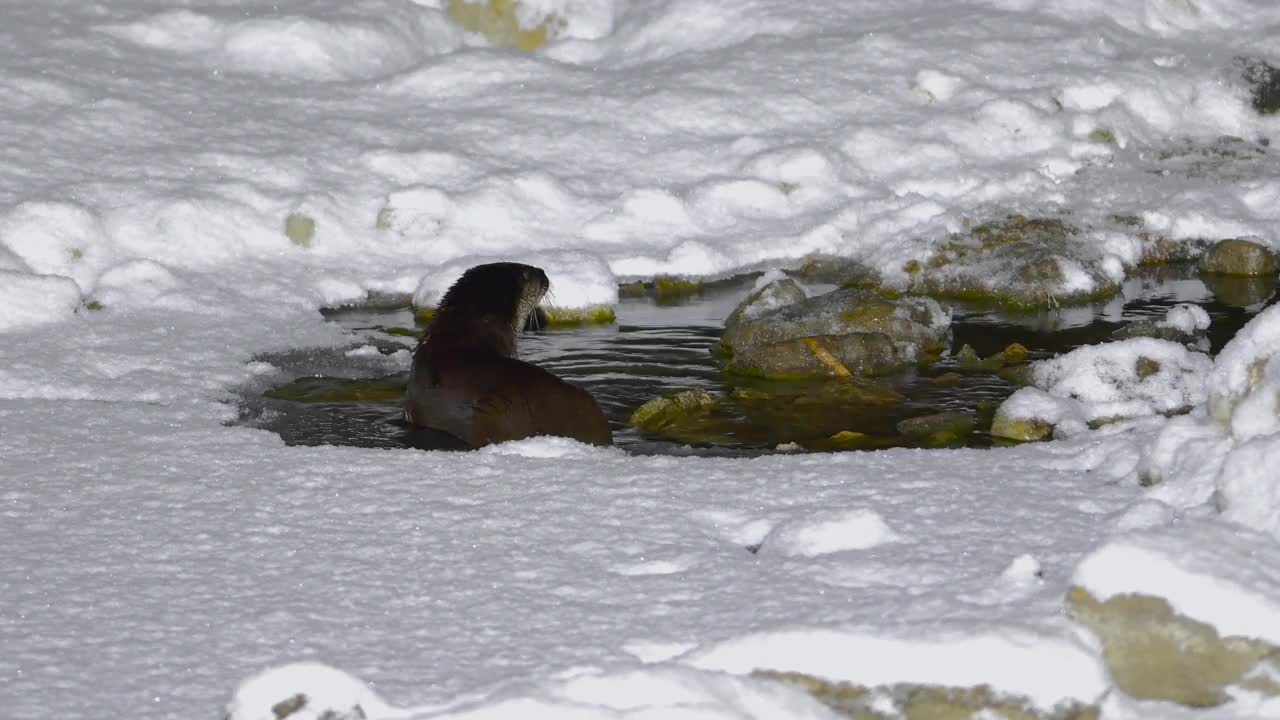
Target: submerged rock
<point>1185,323</point>
<point>946,428</point>
<point>925,702</point>
<point>1009,427</point>
<point>685,417</point>
<point>1154,653</point>
<point>1240,291</point>
<point>845,332</point>
<point>1019,263</point>
<point>1239,257</point>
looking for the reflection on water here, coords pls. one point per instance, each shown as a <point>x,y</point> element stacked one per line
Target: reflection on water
<point>659,350</point>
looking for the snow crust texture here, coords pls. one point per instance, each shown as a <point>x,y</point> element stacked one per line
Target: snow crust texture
<point>182,186</point>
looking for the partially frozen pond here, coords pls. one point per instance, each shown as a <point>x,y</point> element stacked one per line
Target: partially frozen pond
<point>352,395</point>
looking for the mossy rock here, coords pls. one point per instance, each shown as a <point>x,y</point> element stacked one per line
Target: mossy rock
<point>498,20</point>
<point>1019,264</point>
<point>1018,429</point>
<point>940,429</point>
<point>849,331</point>
<point>1014,354</point>
<point>924,702</point>
<point>1239,257</point>
<point>341,390</point>
<point>687,417</point>
<point>1154,653</point>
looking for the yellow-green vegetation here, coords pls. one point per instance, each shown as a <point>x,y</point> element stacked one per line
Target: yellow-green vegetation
<point>1154,653</point>
<point>340,390</point>
<point>557,317</point>
<point>788,187</point>
<point>911,267</point>
<point>1102,136</point>
<point>849,440</point>
<point>300,229</point>
<point>404,332</point>
<point>423,315</point>
<point>76,254</point>
<point>924,702</point>
<point>665,289</point>
<point>1015,354</point>
<point>687,417</point>
<point>94,306</point>
<point>499,21</point>
<point>674,289</point>
<point>385,217</point>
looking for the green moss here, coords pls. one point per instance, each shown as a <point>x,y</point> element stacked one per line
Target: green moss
<point>385,216</point>
<point>340,390</point>
<point>423,315</point>
<point>76,253</point>
<point>868,314</point>
<point>788,187</point>
<point>403,332</point>
<point>94,305</point>
<point>672,288</point>
<point>300,229</point>
<point>912,267</point>
<point>579,317</point>
<point>1103,136</point>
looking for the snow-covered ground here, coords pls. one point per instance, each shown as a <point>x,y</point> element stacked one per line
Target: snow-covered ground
<point>183,185</point>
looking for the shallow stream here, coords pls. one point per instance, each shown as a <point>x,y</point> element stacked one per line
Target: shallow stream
<point>333,397</point>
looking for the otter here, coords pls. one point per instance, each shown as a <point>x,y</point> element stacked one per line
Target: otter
<point>467,381</point>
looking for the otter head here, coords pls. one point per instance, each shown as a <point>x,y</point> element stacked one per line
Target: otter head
<point>490,304</point>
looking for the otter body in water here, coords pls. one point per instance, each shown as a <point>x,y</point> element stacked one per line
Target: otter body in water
<point>467,381</point>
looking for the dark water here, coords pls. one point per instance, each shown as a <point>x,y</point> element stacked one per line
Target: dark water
<point>659,350</point>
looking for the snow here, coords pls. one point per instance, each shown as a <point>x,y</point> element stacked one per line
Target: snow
<point>1125,379</point>
<point>156,557</point>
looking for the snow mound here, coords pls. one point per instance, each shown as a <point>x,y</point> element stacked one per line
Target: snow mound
<point>1226,576</point>
<point>1046,669</point>
<point>27,300</point>
<point>306,691</point>
<point>135,283</point>
<point>579,280</point>
<point>1244,387</point>
<point>54,239</point>
<point>367,39</point>
<point>829,531</point>
<point>546,447</point>
<point>1125,379</point>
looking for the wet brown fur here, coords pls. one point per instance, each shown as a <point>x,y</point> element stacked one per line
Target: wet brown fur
<point>467,380</point>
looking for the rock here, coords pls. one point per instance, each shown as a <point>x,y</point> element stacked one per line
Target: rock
<point>1263,81</point>
<point>946,428</point>
<point>1020,263</point>
<point>685,417</point>
<point>1019,429</point>
<point>1239,257</point>
<point>844,332</point>
<point>1154,653</point>
<point>925,702</point>
<point>763,300</point>
<point>1015,354</point>
<point>1240,291</point>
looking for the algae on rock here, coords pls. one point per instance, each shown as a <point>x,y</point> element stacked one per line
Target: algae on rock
<point>1154,653</point>
<point>908,701</point>
<point>500,22</point>
<point>847,331</point>
<point>1239,257</point>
